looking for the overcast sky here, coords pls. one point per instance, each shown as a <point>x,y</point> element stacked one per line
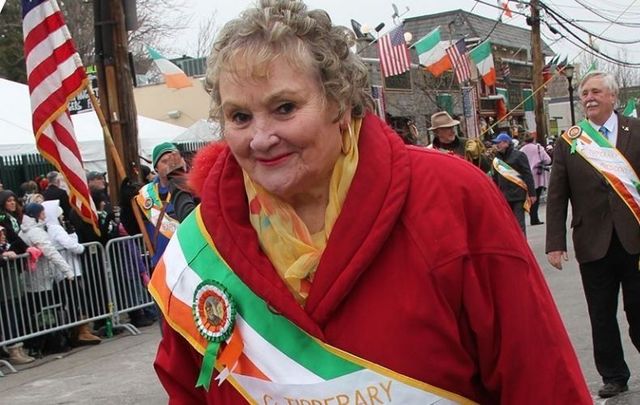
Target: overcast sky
<point>372,12</point>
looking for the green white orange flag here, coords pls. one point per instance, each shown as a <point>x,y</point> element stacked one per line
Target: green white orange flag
<point>174,77</point>
<point>529,114</point>
<point>432,53</point>
<point>483,59</point>
<point>630,110</point>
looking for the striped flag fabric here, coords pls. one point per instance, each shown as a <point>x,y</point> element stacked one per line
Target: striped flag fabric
<point>483,59</point>
<point>432,53</point>
<point>174,77</point>
<point>55,75</point>
<point>460,61</point>
<point>529,114</point>
<point>393,52</point>
<point>377,93</point>
<point>470,111</point>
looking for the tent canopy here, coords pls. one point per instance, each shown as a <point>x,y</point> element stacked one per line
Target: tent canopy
<point>17,138</point>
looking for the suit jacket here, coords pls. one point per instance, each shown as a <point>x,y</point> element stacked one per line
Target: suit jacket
<point>596,208</point>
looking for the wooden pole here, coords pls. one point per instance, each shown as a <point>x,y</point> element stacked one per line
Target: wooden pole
<point>107,134</point>
<point>538,84</point>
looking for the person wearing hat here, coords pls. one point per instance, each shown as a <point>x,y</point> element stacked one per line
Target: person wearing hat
<point>446,140</point>
<point>159,219</point>
<point>513,176</point>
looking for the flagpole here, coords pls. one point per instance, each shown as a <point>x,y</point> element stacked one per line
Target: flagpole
<point>107,134</point>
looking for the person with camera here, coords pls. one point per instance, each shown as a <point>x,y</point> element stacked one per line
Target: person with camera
<point>540,164</point>
<point>155,199</point>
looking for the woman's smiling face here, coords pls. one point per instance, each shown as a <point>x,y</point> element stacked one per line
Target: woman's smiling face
<point>281,129</point>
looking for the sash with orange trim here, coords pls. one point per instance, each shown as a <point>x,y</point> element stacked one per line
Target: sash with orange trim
<point>151,205</point>
<point>608,161</point>
<point>276,361</point>
<point>513,176</point>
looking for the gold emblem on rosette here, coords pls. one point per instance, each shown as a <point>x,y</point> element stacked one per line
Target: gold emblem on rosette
<point>574,132</point>
<point>148,203</point>
<point>213,311</point>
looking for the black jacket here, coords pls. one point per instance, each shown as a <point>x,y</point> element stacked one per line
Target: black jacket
<point>519,162</point>
<point>56,193</point>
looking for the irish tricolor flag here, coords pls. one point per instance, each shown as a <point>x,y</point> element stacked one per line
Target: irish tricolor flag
<point>174,77</point>
<point>432,53</point>
<point>630,110</point>
<point>481,56</point>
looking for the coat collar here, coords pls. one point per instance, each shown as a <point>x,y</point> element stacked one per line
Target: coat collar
<point>374,202</point>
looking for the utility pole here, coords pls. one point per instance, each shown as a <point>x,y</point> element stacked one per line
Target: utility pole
<point>538,62</point>
<point>116,89</point>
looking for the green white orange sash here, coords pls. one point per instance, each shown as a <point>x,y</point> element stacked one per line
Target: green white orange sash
<point>513,176</point>
<point>149,200</point>
<point>279,362</point>
<point>608,161</point>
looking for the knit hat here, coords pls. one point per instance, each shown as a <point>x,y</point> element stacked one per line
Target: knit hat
<point>502,137</point>
<point>33,210</point>
<point>161,149</point>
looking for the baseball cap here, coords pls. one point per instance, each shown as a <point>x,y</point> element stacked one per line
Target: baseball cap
<point>503,137</point>
<point>95,175</point>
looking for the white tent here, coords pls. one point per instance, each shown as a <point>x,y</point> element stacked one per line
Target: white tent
<point>200,131</point>
<point>16,134</point>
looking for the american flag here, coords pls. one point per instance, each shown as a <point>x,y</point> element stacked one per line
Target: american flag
<point>470,109</point>
<point>377,94</point>
<point>55,75</point>
<point>460,61</point>
<point>394,54</point>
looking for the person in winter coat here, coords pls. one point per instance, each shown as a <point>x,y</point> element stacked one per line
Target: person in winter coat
<point>10,217</point>
<point>328,262</point>
<point>70,291</point>
<point>11,301</point>
<point>539,163</point>
<point>512,174</point>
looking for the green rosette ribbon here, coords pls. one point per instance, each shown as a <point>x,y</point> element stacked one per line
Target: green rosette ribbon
<point>214,312</point>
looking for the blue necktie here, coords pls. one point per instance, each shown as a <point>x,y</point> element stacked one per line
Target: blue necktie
<point>604,131</point>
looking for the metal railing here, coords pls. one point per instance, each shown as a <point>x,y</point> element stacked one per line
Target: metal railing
<point>35,299</point>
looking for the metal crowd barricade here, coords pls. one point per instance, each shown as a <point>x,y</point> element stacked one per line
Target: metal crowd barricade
<point>109,281</point>
<point>130,265</point>
<point>36,299</point>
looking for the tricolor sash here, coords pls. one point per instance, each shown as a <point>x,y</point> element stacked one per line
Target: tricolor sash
<point>513,176</point>
<point>608,161</point>
<point>279,362</point>
<point>151,205</point>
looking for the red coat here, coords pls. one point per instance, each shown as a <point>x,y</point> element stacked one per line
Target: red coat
<point>426,272</point>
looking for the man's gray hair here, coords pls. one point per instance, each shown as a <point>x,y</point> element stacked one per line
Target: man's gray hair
<point>608,79</point>
<point>53,177</point>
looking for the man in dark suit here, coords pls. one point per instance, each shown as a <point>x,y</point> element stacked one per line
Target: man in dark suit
<point>606,233</point>
<point>54,192</point>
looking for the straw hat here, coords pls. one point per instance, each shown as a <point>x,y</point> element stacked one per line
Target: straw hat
<point>442,119</point>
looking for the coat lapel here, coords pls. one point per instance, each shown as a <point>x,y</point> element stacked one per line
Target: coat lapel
<point>624,134</point>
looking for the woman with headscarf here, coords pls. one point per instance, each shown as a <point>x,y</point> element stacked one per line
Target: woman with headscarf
<point>330,263</point>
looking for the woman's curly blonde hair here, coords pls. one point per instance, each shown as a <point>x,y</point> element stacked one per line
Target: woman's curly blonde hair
<point>306,38</point>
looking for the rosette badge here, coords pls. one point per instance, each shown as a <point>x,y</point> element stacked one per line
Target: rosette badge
<point>214,312</point>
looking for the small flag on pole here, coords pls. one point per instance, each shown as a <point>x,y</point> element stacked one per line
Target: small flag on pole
<point>394,54</point>
<point>630,110</point>
<point>483,59</point>
<point>432,53</point>
<point>470,109</point>
<point>529,113</point>
<point>55,75</point>
<point>174,77</point>
<point>460,61</point>
<point>377,94</point>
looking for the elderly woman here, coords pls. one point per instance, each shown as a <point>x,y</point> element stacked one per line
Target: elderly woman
<point>328,263</point>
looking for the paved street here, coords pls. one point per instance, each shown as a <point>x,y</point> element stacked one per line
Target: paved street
<point>120,371</point>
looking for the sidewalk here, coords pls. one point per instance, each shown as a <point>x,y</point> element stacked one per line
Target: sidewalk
<point>117,371</point>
